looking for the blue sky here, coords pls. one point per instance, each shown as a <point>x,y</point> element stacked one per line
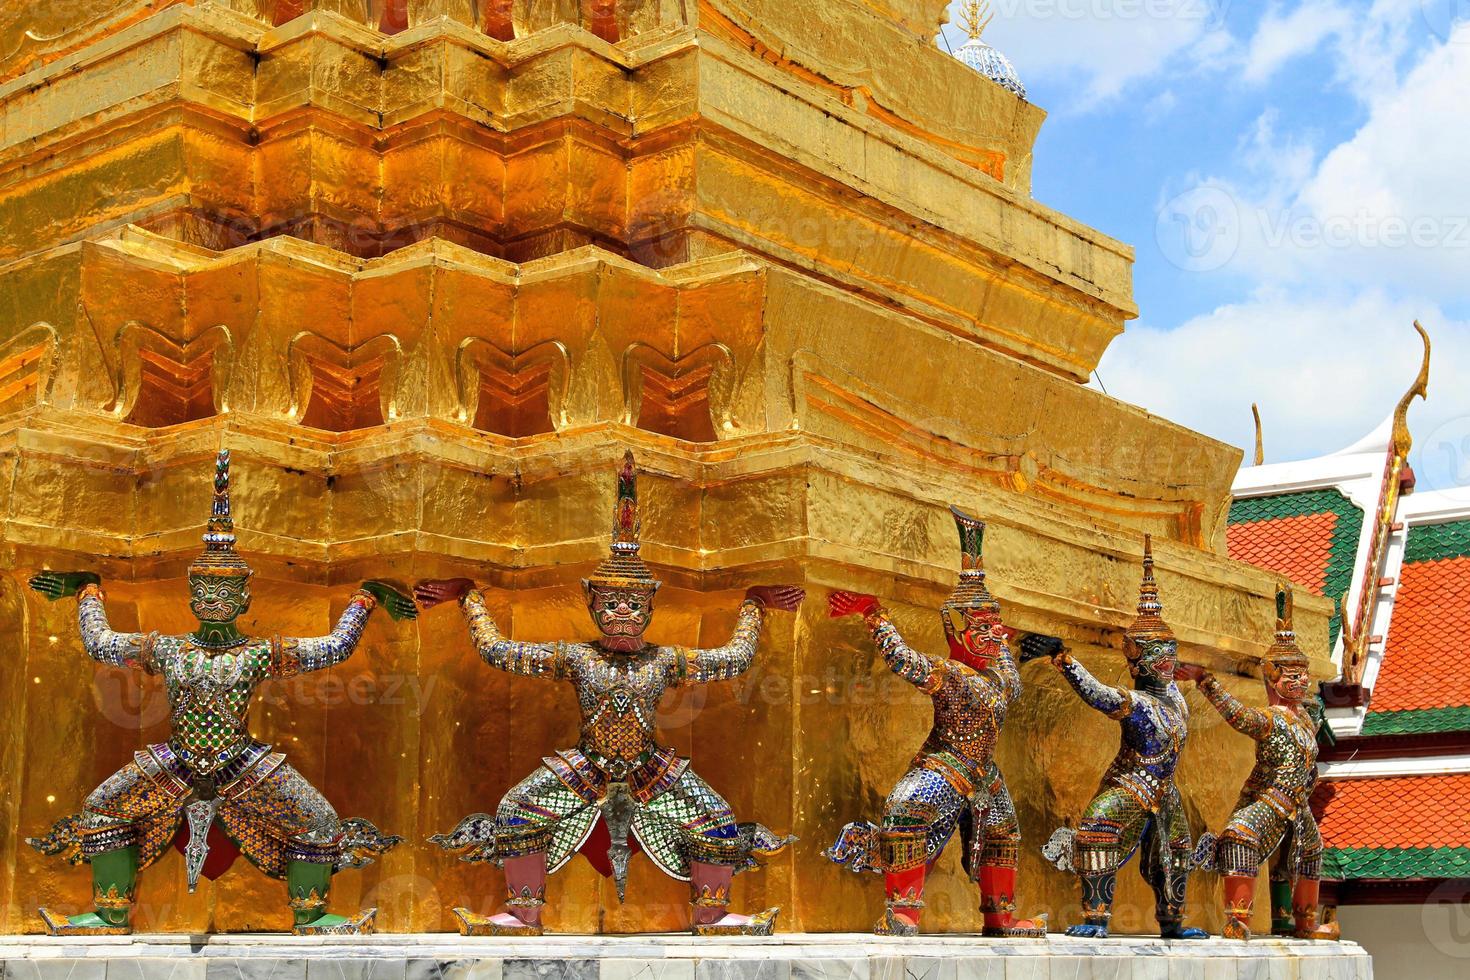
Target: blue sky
<point>1295,177</point>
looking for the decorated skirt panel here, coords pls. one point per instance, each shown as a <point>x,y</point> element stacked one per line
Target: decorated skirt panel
<point>265,806</point>
<point>920,817</point>
<point>1257,828</point>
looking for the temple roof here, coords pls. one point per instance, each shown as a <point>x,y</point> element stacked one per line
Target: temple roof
<point>1349,526</point>
<point>1308,536</point>
<point>1395,827</point>
<point>1423,682</point>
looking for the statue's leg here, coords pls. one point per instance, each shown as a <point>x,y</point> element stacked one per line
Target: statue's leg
<point>1238,857</point>
<point>1167,868</point>
<point>919,817</point>
<point>1109,831</point>
<point>292,809</point>
<point>996,872</point>
<point>108,832</point>
<point>524,823</point>
<point>1282,923</point>
<point>1307,891</point>
<point>712,842</point>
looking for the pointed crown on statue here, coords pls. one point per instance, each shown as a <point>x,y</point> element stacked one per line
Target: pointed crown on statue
<point>623,568</point>
<point>220,557</point>
<point>1149,623</point>
<point>1284,651</point>
<point>970,594</point>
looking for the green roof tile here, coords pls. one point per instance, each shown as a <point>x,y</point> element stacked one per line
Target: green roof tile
<point>1348,863</point>
<point>1431,542</point>
<point>1418,721</point>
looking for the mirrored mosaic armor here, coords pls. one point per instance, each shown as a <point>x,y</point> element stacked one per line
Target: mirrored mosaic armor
<point>1272,813</point>
<point>1137,806</point>
<point>619,790</point>
<point>211,787</point>
<point>953,782</point>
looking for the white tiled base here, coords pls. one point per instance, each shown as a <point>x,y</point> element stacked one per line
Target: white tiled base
<point>789,956</point>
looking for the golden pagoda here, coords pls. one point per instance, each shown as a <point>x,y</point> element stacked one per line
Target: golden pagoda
<point>428,268</point>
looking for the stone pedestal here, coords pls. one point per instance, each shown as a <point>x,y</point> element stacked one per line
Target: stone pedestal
<point>792,956</point>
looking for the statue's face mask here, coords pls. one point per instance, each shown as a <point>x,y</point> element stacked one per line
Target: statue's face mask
<point>620,613</point>
<point>1153,659</point>
<point>973,632</point>
<point>1291,682</point>
<point>219,598</point>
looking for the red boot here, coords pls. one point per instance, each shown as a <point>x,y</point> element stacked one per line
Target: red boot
<point>998,906</point>
<point>905,902</point>
<point>710,884</point>
<point>1304,911</point>
<point>525,885</point>
<point>1240,896</point>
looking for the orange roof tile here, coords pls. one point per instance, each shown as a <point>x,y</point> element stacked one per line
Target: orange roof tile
<point>1299,548</point>
<point>1394,811</point>
<point>1427,661</point>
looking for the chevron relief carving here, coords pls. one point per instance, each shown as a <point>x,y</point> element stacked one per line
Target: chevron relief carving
<point>687,396</point>
<point>27,365</point>
<point>160,381</point>
<point>341,388</point>
<point>516,395</point>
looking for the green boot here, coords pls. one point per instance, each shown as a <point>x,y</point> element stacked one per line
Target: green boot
<point>307,885</point>
<point>1282,923</point>
<point>114,878</point>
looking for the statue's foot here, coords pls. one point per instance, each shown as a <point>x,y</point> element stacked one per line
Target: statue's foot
<point>730,924</point>
<point>1330,931</point>
<point>1018,929</point>
<point>1182,932</point>
<point>361,924</point>
<point>86,924</point>
<point>1088,930</point>
<point>1235,929</point>
<point>894,924</point>
<point>499,924</point>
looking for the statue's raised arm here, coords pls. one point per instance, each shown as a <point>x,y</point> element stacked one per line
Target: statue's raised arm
<point>734,658</point>
<point>102,643</point>
<point>494,647</point>
<point>1115,702</point>
<point>302,655</point>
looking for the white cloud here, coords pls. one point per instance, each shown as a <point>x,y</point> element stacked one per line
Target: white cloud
<point>1388,206</point>
<point>1281,36</point>
<point>1325,371</point>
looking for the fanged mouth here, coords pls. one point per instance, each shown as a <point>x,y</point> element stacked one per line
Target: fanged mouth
<point>622,629</point>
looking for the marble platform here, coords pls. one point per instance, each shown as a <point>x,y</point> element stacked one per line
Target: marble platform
<point>783,957</point>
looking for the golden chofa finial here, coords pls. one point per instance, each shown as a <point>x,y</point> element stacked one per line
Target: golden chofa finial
<point>1401,438</point>
<point>978,15</point>
<point>1260,446</point>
